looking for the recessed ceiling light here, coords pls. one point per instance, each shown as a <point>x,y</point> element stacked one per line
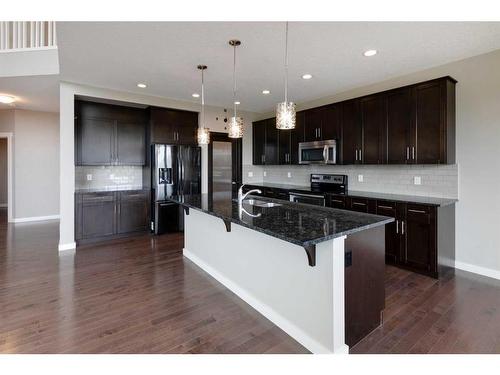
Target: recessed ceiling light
<point>195,95</point>
<point>266,92</point>
<point>142,85</point>
<point>5,99</point>
<point>307,76</point>
<point>237,103</point>
<point>370,52</point>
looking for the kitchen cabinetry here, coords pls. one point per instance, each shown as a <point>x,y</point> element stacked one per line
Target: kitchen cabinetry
<point>173,126</point>
<point>105,215</point>
<point>393,240</point>
<point>265,142</point>
<point>414,124</point>
<point>109,134</point>
<point>289,141</point>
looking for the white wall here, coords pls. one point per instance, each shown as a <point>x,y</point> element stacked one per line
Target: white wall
<point>35,162</point>
<point>478,155</point>
<point>3,172</point>
<point>214,117</point>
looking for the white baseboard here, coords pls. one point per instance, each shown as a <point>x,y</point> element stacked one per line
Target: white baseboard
<point>3,205</point>
<point>67,246</point>
<point>268,312</point>
<point>489,272</point>
<point>35,218</point>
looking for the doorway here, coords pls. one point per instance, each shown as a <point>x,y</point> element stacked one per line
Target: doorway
<point>6,175</point>
<point>224,165</point>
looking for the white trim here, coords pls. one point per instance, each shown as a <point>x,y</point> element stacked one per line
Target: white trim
<point>287,326</point>
<point>10,179</point>
<point>35,218</point>
<point>67,246</point>
<point>28,49</point>
<point>488,272</point>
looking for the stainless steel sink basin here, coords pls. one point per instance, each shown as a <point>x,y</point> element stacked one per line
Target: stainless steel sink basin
<point>259,203</point>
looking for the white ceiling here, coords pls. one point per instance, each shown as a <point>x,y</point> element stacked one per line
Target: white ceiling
<point>164,55</point>
<point>36,93</point>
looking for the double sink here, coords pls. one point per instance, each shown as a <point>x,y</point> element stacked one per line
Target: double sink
<point>259,203</point>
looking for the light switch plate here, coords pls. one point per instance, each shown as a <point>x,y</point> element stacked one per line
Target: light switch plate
<point>289,174</point>
<point>250,174</point>
<point>360,178</point>
<point>89,177</point>
<point>417,180</point>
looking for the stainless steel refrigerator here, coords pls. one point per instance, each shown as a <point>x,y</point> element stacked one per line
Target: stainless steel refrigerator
<point>175,170</point>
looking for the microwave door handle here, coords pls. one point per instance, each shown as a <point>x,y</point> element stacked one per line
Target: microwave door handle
<point>325,154</point>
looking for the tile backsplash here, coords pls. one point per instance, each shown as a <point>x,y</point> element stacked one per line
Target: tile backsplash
<point>435,180</point>
<point>107,177</point>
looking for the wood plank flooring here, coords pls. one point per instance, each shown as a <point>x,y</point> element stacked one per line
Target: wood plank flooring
<point>139,295</point>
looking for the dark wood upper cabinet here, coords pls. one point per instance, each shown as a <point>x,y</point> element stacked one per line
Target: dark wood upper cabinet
<point>173,126</point>
<point>271,155</point>
<point>331,125</point>
<point>312,125</point>
<point>296,136</point>
<point>399,126</point>
<point>109,134</point>
<point>259,142</point>
<point>284,146</point>
<point>374,127</point>
<point>351,142</point>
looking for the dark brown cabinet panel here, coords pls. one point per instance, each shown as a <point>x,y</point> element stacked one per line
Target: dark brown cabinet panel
<point>271,155</point>
<point>130,144</point>
<point>132,212</point>
<point>284,146</point>
<point>188,127</point>
<point>331,126</point>
<point>419,229</point>
<point>259,142</point>
<point>336,201</point>
<point>399,126</point>
<point>351,143</point>
<point>361,204</point>
<point>374,125</point>
<point>393,239</point>
<point>173,126</point>
<point>297,136</point>
<point>95,141</point>
<point>312,126</point>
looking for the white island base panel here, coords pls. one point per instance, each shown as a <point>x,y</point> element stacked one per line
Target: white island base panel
<point>274,277</point>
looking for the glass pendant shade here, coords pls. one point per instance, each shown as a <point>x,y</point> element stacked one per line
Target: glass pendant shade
<point>235,127</point>
<point>285,116</point>
<point>203,136</point>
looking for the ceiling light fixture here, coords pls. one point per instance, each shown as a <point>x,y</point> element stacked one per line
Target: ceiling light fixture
<point>285,111</point>
<point>203,132</point>
<point>235,122</point>
<point>142,85</point>
<point>266,92</point>
<point>6,99</point>
<point>307,76</point>
<point>196,95</point>
<point>370,52</point>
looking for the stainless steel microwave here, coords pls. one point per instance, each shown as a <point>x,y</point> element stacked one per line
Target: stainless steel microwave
<point>319,152</point>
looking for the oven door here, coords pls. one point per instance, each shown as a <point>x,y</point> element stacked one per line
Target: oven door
<point>317,200</point>
<point>323,152</point>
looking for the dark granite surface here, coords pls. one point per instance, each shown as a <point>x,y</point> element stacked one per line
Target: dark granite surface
<point>107,189</point>
<point>433,201</point>
<point>301,224</point>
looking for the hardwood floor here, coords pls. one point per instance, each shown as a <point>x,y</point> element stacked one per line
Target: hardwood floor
<point>139,295</point>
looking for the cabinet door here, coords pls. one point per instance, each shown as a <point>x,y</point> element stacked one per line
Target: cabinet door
<point>297,136</point>
<point>335,201</point>
<point>399,114</point>
<point>164,123</point>
<point>188,126</point>
<point>312,126</point>
<point>374,121</point>
<point>393,238</point>
<point>96,141</point>
<point>97,215</point>
<point>132,212</point>
<point>420,232</point>
<point>259,141</point>
<point>351,132</point>
<point>358,204</point>
<point>330,122</point>
<point>130,144</point>
<point>284,137</point>
<point>271,147</point>
<point>430,117</point>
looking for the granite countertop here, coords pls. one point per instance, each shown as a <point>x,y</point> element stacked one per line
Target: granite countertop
<point>107,189</point>
<point>433,201</point>
<point>300,224</point>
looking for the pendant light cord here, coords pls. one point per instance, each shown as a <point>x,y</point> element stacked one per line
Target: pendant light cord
<point>286,62</point>
<point>234,80</point>
<point>202,100</point>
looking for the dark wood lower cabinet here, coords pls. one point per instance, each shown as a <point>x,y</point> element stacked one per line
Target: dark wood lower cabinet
<point>104,215</point>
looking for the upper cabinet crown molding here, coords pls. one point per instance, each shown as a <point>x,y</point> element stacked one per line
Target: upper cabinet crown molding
<point>413,124</point>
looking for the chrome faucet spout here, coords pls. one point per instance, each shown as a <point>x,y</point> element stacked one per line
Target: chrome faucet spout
<point>242,196</point>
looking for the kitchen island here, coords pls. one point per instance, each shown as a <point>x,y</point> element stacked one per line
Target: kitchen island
<point>317,273</point>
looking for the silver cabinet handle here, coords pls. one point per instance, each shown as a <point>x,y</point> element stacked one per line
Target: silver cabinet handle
<point>417,211</point>
<point>402,227</point>
<point>356,154</point>
<point>360,157</point>
<point>407,152</point>
<point>385,207</point>
<point>319,132</point>
<point>337,201</point>
<point>413,152</point>
<point>397,226</point>
<point>358,204</point>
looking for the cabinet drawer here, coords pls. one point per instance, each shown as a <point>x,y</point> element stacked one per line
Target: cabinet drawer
<point>90,198</point>
<point>133,195</point>
<point>336,201</point>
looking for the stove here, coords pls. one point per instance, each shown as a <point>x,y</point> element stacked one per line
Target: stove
<point>329,183</point>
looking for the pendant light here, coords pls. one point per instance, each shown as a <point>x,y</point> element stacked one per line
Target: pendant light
<point>235,122</point>
<point>285,111</point>
<point>203,132</point>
